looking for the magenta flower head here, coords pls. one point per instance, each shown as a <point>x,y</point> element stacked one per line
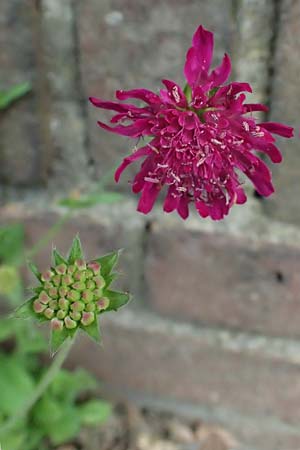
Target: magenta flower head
<point>72,293</point>
<point>199,139</point>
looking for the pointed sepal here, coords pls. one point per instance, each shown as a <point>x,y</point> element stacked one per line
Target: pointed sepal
<point>116,299</point>
<point>58,337</point>
<point>93,330</point>
<point>75,251</point>
<point>34,270</point>
<point>108,262</point>
<point>25,311</point>
<point>58,258</point>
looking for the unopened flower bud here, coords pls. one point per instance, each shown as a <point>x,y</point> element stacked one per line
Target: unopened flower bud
<point>73,295</point>
<point>47,275</point>
<point>100,282</point>
<point>75,315</point>
<point>77,306</point>
<point>103,303</point>
<point>49,313</point>
<point>61,314</point>
<point>63,291</point>
<point>44,297</point>
<point>90,284</point>
<point>70,323</point>
<point>80,264</point>
<point>63,303</point>
<point>38,307</point>
<point>53,292</point>
<point>56,280</point>
<point>67,280</point>
<point>53,304</point>
<point>61,269</point>
<point>94,266</point>
<point>78,286</point>
<point>57,325</point>
<point>87,296</point>
<point>90,307</point>
<point>87,318</point>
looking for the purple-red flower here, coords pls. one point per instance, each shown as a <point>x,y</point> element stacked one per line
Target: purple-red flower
<point>201,138</point>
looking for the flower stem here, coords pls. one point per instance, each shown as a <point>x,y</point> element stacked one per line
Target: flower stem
<point>41,387</point>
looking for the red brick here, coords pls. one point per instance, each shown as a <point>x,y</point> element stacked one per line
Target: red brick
<point>242,382</point>
<point>222,280</point>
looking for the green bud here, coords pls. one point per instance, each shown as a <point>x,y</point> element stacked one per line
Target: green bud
<point>75,315</point>
<point>53,292</point>
<point>103,303</point>
<point>98,293</point>
<point>57,325</point>
<point>61,314</point>
<point>87,318</point>
<point>100,282</point>
<point>44,297</point>
<point>66,280</point>
<point>63,303</point>
<point>89,273</point>
<point>80,264</point>
<point>95,267</point>
<point>70,324</point>
<point>56,280</point>
<point>63,291</point>
<point>49,313</point>
<point>53,304</point>
<point>38,307</point>
<point>87,296</point>
<point>78,286</point>
<point>77,306</point>
<point>61,269</point>
<point>90,284</point>
<point>73,295</point>
<point>48,285</point>
<point>79,276</point>
<point>47,275</point>
<point>90,307</point>
<point>71,269</point>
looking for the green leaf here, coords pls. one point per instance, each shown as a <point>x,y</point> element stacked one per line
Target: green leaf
<point>91,200</point>
<point>68,385</point>
<point>58,258</point>
<point>94,412</point>
<point>25,311</point>
<point>93,330</point>
<point>13,94</point>
<point>108,262</point>
<point>16,384</point>
<point>14,440</point>
<point>110,278</point>
<point>34,270</point>
<point>66,427</point>
<point>58,337</point>
<point>11,243</point>
<point>75,251</point>
<point>117,299</point>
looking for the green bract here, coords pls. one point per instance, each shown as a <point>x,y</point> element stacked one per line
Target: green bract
<point>72,293</point>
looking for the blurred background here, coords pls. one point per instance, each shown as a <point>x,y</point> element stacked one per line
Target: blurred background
<point>213,331</point>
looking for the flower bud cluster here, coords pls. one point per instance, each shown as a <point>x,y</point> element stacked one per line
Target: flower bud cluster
<point>71,295</point>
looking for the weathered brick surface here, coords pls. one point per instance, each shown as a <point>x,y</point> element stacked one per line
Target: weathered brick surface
<point>125,44</point>
<point>286,107</point>
<point>19,136</point>
<point>216,279</point>
<point>255,31</point>
<point>233,378</point>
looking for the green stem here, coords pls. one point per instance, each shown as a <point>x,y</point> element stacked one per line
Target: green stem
<point>41,388</point>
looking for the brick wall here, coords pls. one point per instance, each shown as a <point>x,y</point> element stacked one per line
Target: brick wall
<point>213,330</point>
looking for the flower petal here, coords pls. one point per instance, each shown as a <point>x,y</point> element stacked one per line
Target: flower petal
<point>249,107</point>
<point>149,195</point>
<point>219,75</point>
<point>278,128</point>
<point>141,94</point>
<point>199,56</point>
<point>143,151</point>
<point>139,128</point>
<point>174,94</point>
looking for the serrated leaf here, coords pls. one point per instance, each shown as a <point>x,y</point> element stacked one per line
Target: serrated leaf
<point>91,200</point>
<point>13,94</point>
<point>34,270</point>
<point>58,258</point>
<point>93,330</point>
<point>75,251</point>
<point>25,311</point>
<point>116,299</point>
<point>94,412</point>
<point>108,262</point>
<point>58,337</point>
